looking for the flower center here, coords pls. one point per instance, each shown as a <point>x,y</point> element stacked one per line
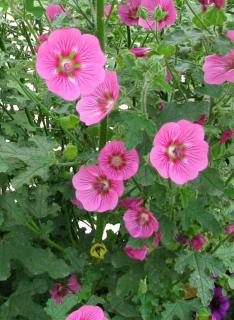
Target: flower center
<point>106,102</point>
<point>175,152</point>
<point>117,161</point>
<point>102,185</point>
<point>67,65</point>
<point>144,218</point>
<point>133,13</point>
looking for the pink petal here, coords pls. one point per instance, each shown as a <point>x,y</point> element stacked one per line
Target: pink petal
<point>87,313</point>
<point>73,284</point>
<point>64,87</point>
<point>118,186</point>
<point>46,62</point>
<point>136,254</point>
<point>109,201</point>
<point>90,199</point>
<point>160,161</point>
<point>167,133</point>
<point>190,132</point>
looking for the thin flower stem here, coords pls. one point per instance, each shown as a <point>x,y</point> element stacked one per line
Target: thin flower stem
<point>129,37</point>
<point>83,13</point>
<point>25,33</point>
<point>103,125</point>
<point>195,15</point>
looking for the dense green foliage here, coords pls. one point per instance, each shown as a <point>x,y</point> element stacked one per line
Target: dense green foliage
<point>43,143</point>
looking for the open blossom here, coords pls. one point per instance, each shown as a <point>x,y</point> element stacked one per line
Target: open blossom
<point>131,203</point>
<point>70,63</point>
<point>179,151</point>
<point>219,305</point>
<point>140,223</point>
<point>87,313</point>
<point>95,191</point>
<point>128,13</point>
<point>140,52</point>
<point>229,229</point>
<point>136,254</point>
<point>54,10</point>
<point>167,7</point>
<point>60,291</point>
<point>230,35</point>
<point>218,69</point>
<point>95,106</point>
<point>226,136</point>
<point>197,242</point>
<point>116,162</point>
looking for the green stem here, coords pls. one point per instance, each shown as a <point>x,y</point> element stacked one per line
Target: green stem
<point>25,33</point>
<point>129,37</point>
<point>103,124</point>
<point>229,179</point>
<point>195,15</point>
<point>83,13</point>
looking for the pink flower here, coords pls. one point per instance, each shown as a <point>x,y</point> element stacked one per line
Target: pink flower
<point>140,223</point>
<point>73,284</point>
<point>182,239</point>
<point>96,106</point>
<point>95,191</point>
<point>218,69</point>
<point>218,3</point>
<point>229,229</point>
<point>116,162</point>
<point>42,38</point>
<point>168,75</point>
<point>107,10</point>
<point>179,151</point>
<point>60,291</point>
<point>230,35</point>
<point>226,136</point>
<point>128,13</point>
<point>197,242</point>
<point>70,63</point>
<point>202,120</point>
<point>166,6</point>
<point>136,254</point>
<point>87,313</point>
<point>54,10</point>
<point>157,239</point>
<point>131,203</point>
<point>140,52</point>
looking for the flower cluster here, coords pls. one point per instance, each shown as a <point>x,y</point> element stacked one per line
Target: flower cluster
<point>61,291</point>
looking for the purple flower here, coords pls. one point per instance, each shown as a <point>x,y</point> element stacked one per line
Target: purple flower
<point>219,305</point>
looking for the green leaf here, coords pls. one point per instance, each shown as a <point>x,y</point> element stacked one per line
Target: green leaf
<point>180,309</point>
<point>137,243</point>
<point>226,254</point>
<point>36,11</point>
<point>37,157</point>
<point>17,246</point>
<point>69,122</point>
<point>201,265</point>
<point>60,311</point>
<point>215,16</point>
<point>210,182</point>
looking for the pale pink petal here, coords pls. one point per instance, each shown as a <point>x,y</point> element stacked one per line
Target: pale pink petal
<point>215,69</point>
<point>109,201</point>
<point>85,177</point>
<point>160,161</point>
<point>89,50</point>
<point>168,132</point>
<point>53,10</point>
<point>64,41</point>
<point>190,132</point>
<point>65,87</point>
<point>89,111</point>
<point>180,172</point>
<point>87,313</point>
<point>118,186</point>
<point>136,254</point>
<point>90,199</point>
<point>46,62</point>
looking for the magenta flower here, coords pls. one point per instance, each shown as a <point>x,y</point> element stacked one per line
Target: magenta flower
<point>229,229</point>
<point>166,6</point>
<point>131,203</point>
<point>116,162</point>
<point>128,13</point>
<point>70,63</point>
<point>95,106</point>
<point>60,291</point>
<point>42,38</point>
<point>218,69</point>
<point>230,35</point>
<point>219,305</point>
<point>54,10</point>
<point>157,239</point>
<point>87,313</point>
<point>218,3</point>
<point>179,151</point>
<point>226,136</point>
<point>197,242</point>
<point>140,52</point>
<point>95,191</point>
<point>136,254</point>
<point>140,223</point>
<point>202,120</point>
